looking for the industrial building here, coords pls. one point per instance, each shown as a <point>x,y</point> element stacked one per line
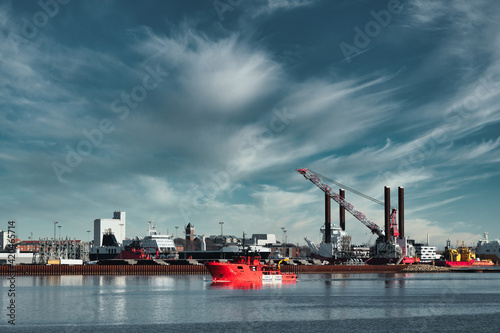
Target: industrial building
<point>426,253</point>
<point>116,225</point>
<point>264,239</point>
<point>3,239</point>
<point>16,258</point>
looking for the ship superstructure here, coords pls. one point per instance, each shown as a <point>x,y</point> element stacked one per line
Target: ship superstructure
<point>156,244</point>
<point>338,249</point>
<point>488,249</point>
<point>109,248</point>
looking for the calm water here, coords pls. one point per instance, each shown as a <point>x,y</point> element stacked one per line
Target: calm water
<point>445,302</point>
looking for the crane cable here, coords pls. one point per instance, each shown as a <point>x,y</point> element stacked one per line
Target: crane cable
<point>349,189</point>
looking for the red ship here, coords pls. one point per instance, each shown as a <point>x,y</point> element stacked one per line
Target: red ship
<point>461,256</point>
<point>247,268</point>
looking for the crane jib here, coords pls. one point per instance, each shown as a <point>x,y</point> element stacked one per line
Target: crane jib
<point>316,180</point>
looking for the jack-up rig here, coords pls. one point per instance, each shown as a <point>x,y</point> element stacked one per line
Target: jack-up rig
<point>391,245</point>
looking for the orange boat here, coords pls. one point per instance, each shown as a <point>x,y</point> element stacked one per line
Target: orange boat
<point>248,268</point>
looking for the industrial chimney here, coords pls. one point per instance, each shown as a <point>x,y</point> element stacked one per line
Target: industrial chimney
<point>401,207</point>
<point>387,213</point>
<point>328,220</point>
<point>342,211</point>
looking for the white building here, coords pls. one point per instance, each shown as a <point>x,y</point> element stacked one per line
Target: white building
<point>426,253</point>
<point>264,239</point>
<point>17,256</point>
<point>3,239</point>
<point>117,225</point>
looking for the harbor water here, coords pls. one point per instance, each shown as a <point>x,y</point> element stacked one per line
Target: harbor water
<point>424,302</point>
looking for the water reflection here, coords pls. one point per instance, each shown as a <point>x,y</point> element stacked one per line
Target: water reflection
<point>398,281</point>
<point>162,300</point>
<point>235,285</point>
<point>58,280</point>
<point>249,285</point>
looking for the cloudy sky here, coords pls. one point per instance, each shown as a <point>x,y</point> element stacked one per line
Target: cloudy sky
<point>201,112</point>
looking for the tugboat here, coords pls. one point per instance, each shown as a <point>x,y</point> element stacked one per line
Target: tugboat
<point>248,268</point>
<point>460,257</point>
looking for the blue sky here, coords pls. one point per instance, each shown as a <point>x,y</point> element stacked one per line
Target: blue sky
<point>200,111</point>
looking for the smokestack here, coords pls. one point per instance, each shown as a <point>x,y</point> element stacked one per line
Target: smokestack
<point>342,210</point>
<point>401,206</point>
<point>328,220</point>
<point>387,214</point>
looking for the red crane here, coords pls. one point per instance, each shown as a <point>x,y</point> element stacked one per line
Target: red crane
<point>317,180</point>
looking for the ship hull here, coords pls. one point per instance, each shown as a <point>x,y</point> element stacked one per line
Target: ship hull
<point>471,263</point>
<point>247,270</point>
<point>338,261</point>
<point>491,257</point>
<point>389,261</point>
<point>368,261</point>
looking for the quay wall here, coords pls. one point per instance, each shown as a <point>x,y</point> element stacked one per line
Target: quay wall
<point>201,269</point>
<point>103,269</point>
<point>177,269</point>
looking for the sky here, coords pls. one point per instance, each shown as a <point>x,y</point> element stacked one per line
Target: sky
<point>201,112</point>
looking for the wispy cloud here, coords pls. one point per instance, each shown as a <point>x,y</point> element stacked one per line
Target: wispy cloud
<point>270,6</point>
<point>260,92</point>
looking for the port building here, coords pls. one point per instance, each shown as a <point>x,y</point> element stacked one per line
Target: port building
<point>426,253</point>
<point>3,240</point>
<point>264,239</point>
<point>116,225</point>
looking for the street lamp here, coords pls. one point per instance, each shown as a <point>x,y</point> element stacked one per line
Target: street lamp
<point>55,222</point>
<point>283,229</point>
<point>221,224</point>
<point>176,232</point>
<point>59,231</point>
<point>88,235</point>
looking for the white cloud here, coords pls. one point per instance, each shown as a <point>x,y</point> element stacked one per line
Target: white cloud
<point>274,5</point>
<point>220,75</point>
<point>426,12</point>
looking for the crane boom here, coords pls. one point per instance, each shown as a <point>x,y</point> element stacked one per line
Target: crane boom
<point>316,180</point>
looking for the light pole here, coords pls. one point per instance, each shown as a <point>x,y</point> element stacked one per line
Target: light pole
<point>55,222</point>
<point>283,229</point>
<point>88,235</point>
<point>59,227</point>
<point>221,224</point>
<point>176,232</point>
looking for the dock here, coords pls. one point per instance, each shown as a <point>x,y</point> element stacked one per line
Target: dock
<point>182,267</point>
